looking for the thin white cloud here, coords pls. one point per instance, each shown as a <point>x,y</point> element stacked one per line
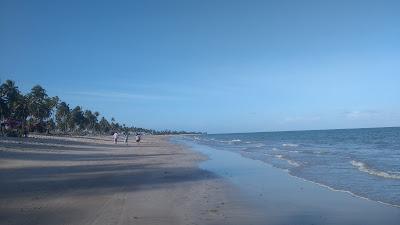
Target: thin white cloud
<point>209,89</point>
<point>360,114</point>
<point>124,96</point>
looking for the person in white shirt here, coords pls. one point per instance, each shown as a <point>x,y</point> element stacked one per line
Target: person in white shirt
<point>115,137</point>
<point>137,137</point>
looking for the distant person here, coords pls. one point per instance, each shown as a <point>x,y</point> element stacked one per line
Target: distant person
<point>2,128</point>
<point>115,136</point>
<point>137,137</point>
<point>126,138</point>
<point>26,132</point>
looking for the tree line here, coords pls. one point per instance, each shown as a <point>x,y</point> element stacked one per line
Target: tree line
<point>37,112</point>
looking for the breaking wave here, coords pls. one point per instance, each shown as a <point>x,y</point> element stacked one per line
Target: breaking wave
<point>260,145</point>
<point>290,162</point>
<point>364,168</point>
<point>290,145</point>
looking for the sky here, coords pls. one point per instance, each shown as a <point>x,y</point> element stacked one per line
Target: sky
<point>214,66</point>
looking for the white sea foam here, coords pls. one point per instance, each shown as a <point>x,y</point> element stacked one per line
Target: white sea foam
<point>333,189</point>
<point>289,161</point>
<point>339,190</point>
<point>395,172</point>
<point>293,163</point>
<point>259,145</point>
<point>364,168</point>
<point>248,142</point>
<point>329,187</point>
<point>290,145</point>
<point>236,140</point>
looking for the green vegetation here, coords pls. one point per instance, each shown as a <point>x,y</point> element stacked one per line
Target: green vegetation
<point>37,112</point>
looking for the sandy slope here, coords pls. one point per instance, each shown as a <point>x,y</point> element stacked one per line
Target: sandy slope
<point>54,180</point>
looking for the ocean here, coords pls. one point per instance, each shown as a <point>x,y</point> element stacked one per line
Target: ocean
<point>364,162</point>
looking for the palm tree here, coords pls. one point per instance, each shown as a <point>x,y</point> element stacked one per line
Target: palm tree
<point>104,125</point>
<point>63,114</point>
<point>77,118</point>
<point>9,95</point>
<point>40,106</point>
<point>20,108</point>
<point>90,120</point>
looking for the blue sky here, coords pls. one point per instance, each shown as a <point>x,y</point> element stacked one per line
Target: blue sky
<point>215,66</point>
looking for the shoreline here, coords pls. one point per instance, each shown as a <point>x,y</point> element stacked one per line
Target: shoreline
<point>316,199</point>
<point>89,180</point>
<point>324,185</point>
<point>363,167</point>
<point>342,191</point>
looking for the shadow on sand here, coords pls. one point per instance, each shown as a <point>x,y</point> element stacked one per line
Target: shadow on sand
<point>103,171</point>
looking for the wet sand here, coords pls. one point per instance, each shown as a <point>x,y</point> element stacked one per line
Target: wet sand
<point>90,180</point>
<point>286,199</point>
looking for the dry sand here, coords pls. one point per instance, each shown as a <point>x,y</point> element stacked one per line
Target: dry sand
<point>90,180</point>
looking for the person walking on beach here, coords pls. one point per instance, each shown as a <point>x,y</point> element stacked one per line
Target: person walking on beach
<point>137,137</point>
<point>115,136</point>
<point>126,138</point>
<point>25,132</point>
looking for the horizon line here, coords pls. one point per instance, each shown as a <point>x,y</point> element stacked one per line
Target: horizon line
<point>277,131</point>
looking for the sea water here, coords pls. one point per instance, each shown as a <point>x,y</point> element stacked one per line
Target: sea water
<point>365,162</point>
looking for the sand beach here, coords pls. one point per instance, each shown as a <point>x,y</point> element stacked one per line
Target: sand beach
<point>90,180</point>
